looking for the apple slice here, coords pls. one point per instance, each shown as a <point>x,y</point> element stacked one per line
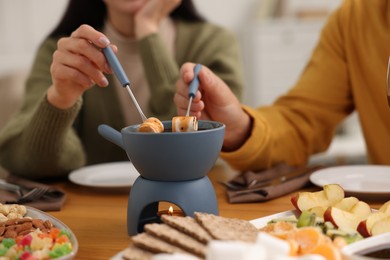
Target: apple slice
<point>344,220</point>
<point>330,194</point>
<point>318,211</point>
<point>385,208</point>
<point>334,192</point>
<point>362,209</point>
<point>381,226</point>
<point>365,226</point>
<point>346,203</point>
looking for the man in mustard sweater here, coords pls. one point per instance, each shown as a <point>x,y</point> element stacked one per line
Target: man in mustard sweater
<point>347,72</point>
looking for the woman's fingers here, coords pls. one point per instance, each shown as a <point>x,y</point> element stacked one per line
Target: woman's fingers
<point>82,47</point>
<point>90,34</point>
<point>82,53</point>
<point>85,71</point>
<point>78,64</point>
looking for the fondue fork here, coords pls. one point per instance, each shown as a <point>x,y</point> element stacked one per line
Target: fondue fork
<point>121,75</point>
<point>193,88</point>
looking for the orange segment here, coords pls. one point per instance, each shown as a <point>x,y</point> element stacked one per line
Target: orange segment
<point>339,242</point>
<point>294,248</point>
<point>307,238</point>
<point>279,229</point>
<point>312,241</point>
<point>327,250</point>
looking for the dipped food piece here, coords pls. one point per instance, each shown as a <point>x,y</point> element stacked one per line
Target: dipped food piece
<point>152,125</point>
<point>184,124</point>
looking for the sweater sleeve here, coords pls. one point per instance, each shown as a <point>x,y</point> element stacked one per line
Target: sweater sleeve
<point>303,121</point>
<point>39,141</point>
<point>162,72</point>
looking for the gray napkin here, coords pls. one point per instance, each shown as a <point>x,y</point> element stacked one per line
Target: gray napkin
<point>53,199</point>
<point>268,184</point>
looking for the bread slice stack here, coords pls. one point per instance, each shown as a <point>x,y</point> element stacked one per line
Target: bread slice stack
<point>187,235</point>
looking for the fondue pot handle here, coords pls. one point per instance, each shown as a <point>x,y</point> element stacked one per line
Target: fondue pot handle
<point>111,135</point>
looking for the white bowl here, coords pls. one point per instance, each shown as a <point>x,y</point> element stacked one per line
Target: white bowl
<point>357,250</point>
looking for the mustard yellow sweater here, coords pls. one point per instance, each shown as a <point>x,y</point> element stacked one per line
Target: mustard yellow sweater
<point>347,72</point>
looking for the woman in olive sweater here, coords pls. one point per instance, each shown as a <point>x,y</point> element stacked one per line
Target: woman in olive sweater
<point>71,88</point>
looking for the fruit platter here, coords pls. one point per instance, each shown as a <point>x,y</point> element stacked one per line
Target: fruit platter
<point>330,224</point>
<point>27,233</point>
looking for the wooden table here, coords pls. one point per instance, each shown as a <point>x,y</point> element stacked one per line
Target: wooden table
<point>98,217</point>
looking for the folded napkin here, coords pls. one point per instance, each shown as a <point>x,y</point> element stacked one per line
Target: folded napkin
<point>52,200</point>
<point>268,184</point>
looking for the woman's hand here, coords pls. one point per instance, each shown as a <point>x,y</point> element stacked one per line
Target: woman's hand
<point>213,101</point>
<point>148,18</point>
<point>78,64</point>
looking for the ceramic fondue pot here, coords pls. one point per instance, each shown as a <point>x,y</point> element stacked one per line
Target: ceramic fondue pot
<point>170,156</point>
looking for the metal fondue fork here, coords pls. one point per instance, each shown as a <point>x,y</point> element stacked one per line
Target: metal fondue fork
<point>121,75</point>
<point>193,88</point>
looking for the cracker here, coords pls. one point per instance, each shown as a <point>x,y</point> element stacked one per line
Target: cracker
<point>135,253</point>
<point>154,244</point>
<point>222,228</point>
<point>189,226</point>
<point>177,238</point>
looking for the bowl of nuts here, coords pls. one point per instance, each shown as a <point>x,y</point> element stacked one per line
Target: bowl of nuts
<point>29,233</point>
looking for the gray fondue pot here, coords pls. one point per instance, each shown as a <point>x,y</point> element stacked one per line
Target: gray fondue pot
<point>170,156</point>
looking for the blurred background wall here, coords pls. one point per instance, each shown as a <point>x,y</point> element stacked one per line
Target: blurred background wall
<point>24,23</point>
<point>276,39</point>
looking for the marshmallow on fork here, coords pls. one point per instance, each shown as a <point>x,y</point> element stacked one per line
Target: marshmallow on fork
<point>184,124</point>
<point>151,124</point>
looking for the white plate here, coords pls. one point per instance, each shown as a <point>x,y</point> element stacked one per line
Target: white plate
<point>262,222</point>
<point>367,245</point>
<point>36,213</point>
<point>359,179</point>
<point>106,175</point>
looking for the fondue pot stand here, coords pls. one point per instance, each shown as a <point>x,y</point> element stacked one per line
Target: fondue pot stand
<point>173,168</point>
<point>190,196</point>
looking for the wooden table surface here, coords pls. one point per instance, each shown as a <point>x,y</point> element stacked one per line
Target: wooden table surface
<point>98,216</point>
